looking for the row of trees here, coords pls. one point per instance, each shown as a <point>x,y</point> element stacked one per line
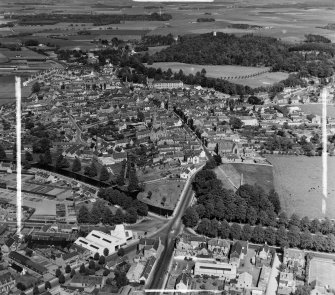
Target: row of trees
<point>281,237</point>
<point>97,20</point>
<point>217,207</point>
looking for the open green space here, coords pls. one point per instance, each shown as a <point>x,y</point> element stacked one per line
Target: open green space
<point>298,181</point>
<point>163,193</point>
<point>235,74</point>
<point>252,174</point>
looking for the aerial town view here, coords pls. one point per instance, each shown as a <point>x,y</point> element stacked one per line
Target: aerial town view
<point>167,147</point>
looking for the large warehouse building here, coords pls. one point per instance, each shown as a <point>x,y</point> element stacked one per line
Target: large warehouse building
<point>97,241</point>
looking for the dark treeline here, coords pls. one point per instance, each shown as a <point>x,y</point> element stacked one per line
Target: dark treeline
<point>320,47</point>
<point>205,20</point>
<point>316,38</point>
<point>157,40</point>
<point>252,214</point>
<point>228,49</point>
<point>96,19</point>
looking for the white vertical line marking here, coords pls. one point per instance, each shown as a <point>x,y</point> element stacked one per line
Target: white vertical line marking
<point>18,154</point>
<point>324,149</point>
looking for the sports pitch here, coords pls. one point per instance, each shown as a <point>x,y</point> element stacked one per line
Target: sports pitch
<point>323,271</point>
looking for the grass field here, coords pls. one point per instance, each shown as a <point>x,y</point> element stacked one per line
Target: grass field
<point>228,72</point>
<point>317,109</point>
<point>322,270</point>
<point>298,181</point>
<point>252,174</point>
<point>168,190</point>
<point>7,89</point>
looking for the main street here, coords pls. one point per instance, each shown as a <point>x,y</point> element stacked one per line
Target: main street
<point>172,230</point>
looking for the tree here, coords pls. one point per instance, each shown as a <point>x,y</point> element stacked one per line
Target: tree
<point>68,269</point>
<point>224,230</point>
<point>84,215</point>
<point>106,273</point>
<point>82,269</point>
<point>326,226</point>
<point>121,279</point>
<point>76,166</point>
<point>131,215</point>
<point>120,252</point>
<point>235,123</point>
<point>102,260</point>
<point>73,272</point>
<point>270,235</point>
<point>304,223</point>
<point>303,290</point>
<point>294,236</point>
<point>191,217</point>
<point>204,227</point>
<point>47,157</point>
<point>294,220</point>
<point>251,215</point>
<point>36,291</point>
<point>319,242</point>
<point>235,231</point>
<point>91,170</point>
<point>28,156</point>
<point>258,234</point>
<point>62,162</point>
<point>283,219</point>
<point>274,199</point>
<point>96,256</point>
<point>106,252</point>
<point>61,279</point>
<point>36,87</point>
<point>47,285</point>
<point>246,232</point>
<point>315,225</point>
<point>104,174</point>
<point>58,272</point>
<point>91,264</point>
<point>306,240</point>
<point>281,238</point>
<point>2,153</point>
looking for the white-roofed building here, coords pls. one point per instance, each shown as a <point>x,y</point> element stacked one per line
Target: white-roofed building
<point>97,241</point>
<point>222,270</point>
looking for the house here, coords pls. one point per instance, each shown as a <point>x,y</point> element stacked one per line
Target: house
<point>183,281</point>
<point>147,269</point>
<point>244,281</point>
<point>150,247</point>
<point>264,278</point>
<point>228,147</point>
<point>82,282</point>
<point>219,248</point>
<point>71,258</point>
<point>27,263</point>
<point>264,252</point>
<point>294,258</point>
<point>238,251</point>
<point>7,282</point>
<point>187,172</point>
<point>166,84</point>
<point>135,272</point>
<point>10,244</point>
<point>286,283</point>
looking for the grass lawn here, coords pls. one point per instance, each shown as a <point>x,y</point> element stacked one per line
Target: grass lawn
<point>7,89</point>
<point>169,190</point>
<point>298,181</point>
<point>252,174</point>
<point>227,72</point>
<point>322,270</point>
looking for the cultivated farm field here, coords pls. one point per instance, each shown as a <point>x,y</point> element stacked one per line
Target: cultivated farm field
<point>235,74</point>
<point>298,181</point>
